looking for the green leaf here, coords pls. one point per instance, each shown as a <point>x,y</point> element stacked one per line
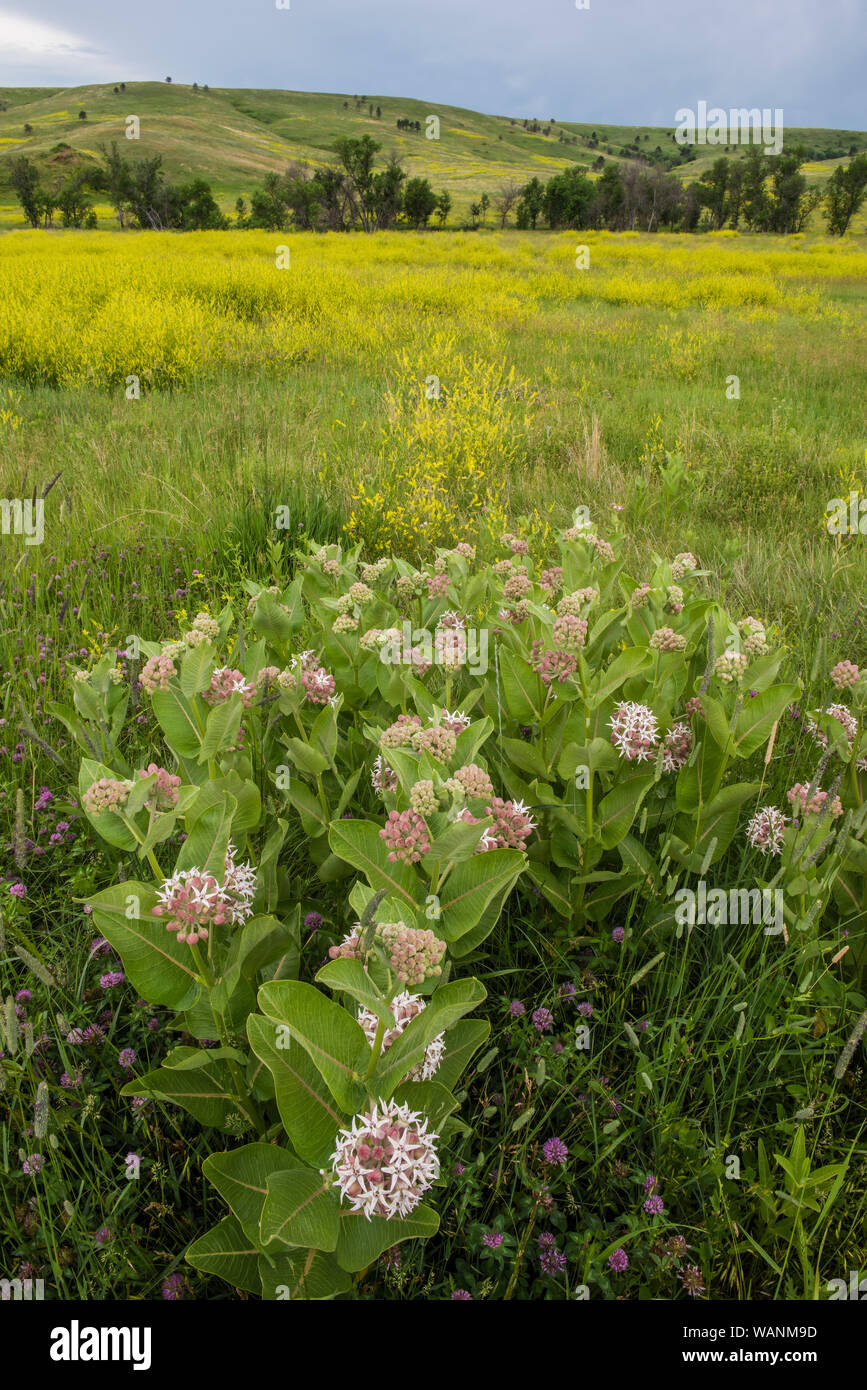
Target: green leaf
<point>462,1041</point>
<point>309,1115</point>
<point>221,729</point>
<point>523,691</point>
<point>303,1275</point>
<point>314,821</point>
<point>305,758</point>
<point>206,1090</point>
<point>206,845</point>
<point>362,1241</point>
<point>241,1178</point>
<point>470,887</point>
<point>196,668</point>
<point>429,1098</point>
<point>225,1250</point>
<point>351,978</point>
<point>333,1040</point>
<point>358,842</point>
<point>177,721</point>
<point>616,811</point>
<point>300,1209</point>
<point>627,664</point>
<point>758,717</point>
<point>270,621</point>
<point>156,964</point>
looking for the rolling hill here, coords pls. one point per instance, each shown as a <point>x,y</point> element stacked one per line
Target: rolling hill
<point>233,136</point>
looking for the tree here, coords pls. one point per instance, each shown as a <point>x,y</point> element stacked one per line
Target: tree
<point>444,206</point>
<point>844,193</point>
<point>713,185</point>
<point>484,204</point>
<point>419,202</point>
<point>788,188</point>
<point>506,198</point>
<point>25,181</point>
<point>192,208</point>
<point>28,129</point>
<point>531,203</point>
<point>148,196</point>
<point>82,115</point>
<point>116,180</point>
<point>168,79</point>
<point>476,209</point>
<point>754,199</point>
<point>72,202</point>
<point>357,158</point>
<point>241,219</point>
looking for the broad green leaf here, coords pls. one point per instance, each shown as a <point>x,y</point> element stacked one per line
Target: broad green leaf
<point>241,1178</point>
<point>157,965</point>
<point>310,1117</point>
<point>359,843</point>
<point>225,1250</point>
<point>206,845</point>
<point>350,977</point>
<point>330,1036</point>
<point>470,887</point>
<point>362,1241</point>
<point>206,1091</point>
<point>221,729</point>
<point>177,719</point>
<point>196,668</point>
<point>616,811</point>
<point>462,1041</point>
<point>303,1275</point>
<point>449,1003</point>
<point>759,715</point>
<point>300,1209</point>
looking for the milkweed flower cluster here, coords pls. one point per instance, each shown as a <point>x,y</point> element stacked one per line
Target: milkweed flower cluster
<point>674,599</point>
<point>512,825</point>
<point>766,829</point>
<point>414,954</point>
<point>640,597</point>
<point>204,628</point>
<point>570,605</point>
<point>438,585</point>
<point>634,731</point>
<point>730,666</point>
<point>106,794</point>
<point>472,781</point>
<point>382,777</point>
<point>569,632</point>
<point>845,674</point>
<point>157,672</point>
<point>319,685</point>
<point>406,836</point>
<point>194,901</point>
<point>755,638</point>
<point>405,1007</point>
<point>682,564</point>
<point>517,586</point>
<point>676,747</point>
<point>399,734</point>
<point>344,622</point>
<point>423,798</point>
<point>551,579</point>
<point>557,665</point>
<point>455,723</point>
<point>226,682</point>
<point>665,639</point>
<point>166,788</point>
<point>797,795</point>
<point>437,740</point>
<point>386,1161</point>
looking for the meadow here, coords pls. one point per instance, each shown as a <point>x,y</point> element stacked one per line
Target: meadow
<point>194,409</point>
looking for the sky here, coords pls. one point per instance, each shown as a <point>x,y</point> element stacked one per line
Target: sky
<point>616,61</point>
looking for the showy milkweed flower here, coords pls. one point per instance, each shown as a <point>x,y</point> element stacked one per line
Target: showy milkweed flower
<point>156,673</point>
<point>386,1161</point>
<point>226,682</point>
<point>406,836</point>
<point>634,731</point>
<point>845,717</point>
<point>677,747</point>
<point>665,639</point>
<point>166,788</point>
<point>797,795</point>
<point>382,778</point>
<point>194,901</point>
<point>730,666</point>
<point>405,1007</point>
<point>106,794</point>
<point>766,829</point>
<point>512,825</point>
<point>845,674</point>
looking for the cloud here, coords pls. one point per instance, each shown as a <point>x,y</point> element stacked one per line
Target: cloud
<point>33,52</point>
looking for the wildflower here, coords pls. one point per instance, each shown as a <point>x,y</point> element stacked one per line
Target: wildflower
<point>585,1009</point>
<point>512,823</point>
<point>104,1235</point>
<point>682,564</point>
<point>173,1287</point>
<point>542,1020</point>
<point>414,953</point>
<point>552,1261</point>
<point>492,1239</point>
<point>618,934</point>
<point>798,795</point>
<point>386,1161</point>
<point>618,1260</point>
<point>461,1296</point>
<point>676,747</point>
<point>640,597</point>
<point>555,1151</point>
<point>382,777</point>
<point>109,980</point>
<point>127,1058</point>
<point>313,921</point>
<point>405,1007</point>
<point>193,902</point>
<point>651,1182</point>
<point>399,734</point>
<point>239,887</point>
<point>423,798</point>
<point>23,996</point>
<point>551,579</point>
<point>665,639</point>
<point>557,665</point>
<point>18,890</point>
<point>569,632</point>
<point>437,740</point>
<point>676,1247</point>
<point>567,991</point>
<point>634,731</point>
<point>674,599</point>
<point>755,638</point>
<point>226,682</point>
<point>845,674</point>
<point>166,788</point>
<point>654,1206</point>
<point>730,666</point>
<point>845,717</point>
<point>766,829</point>
<point>32,1164</point>
<point>691,1278</point>
<point>695,706</point>
<point>473,781</point>
<point>106,794</point>
<point>518,586</point>
<point>156,673</point>
<point>406,836</point>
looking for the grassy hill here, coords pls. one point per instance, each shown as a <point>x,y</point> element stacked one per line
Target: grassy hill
<point>234,136</point>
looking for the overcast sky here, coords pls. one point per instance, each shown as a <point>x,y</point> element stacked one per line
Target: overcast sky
<point>632,61</point>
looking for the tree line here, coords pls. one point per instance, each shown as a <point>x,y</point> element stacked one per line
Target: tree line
<point>759,192</point>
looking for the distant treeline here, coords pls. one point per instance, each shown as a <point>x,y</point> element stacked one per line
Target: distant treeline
<point>758,192</point>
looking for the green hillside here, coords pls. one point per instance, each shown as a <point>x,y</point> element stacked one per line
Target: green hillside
<point>234,136</point>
